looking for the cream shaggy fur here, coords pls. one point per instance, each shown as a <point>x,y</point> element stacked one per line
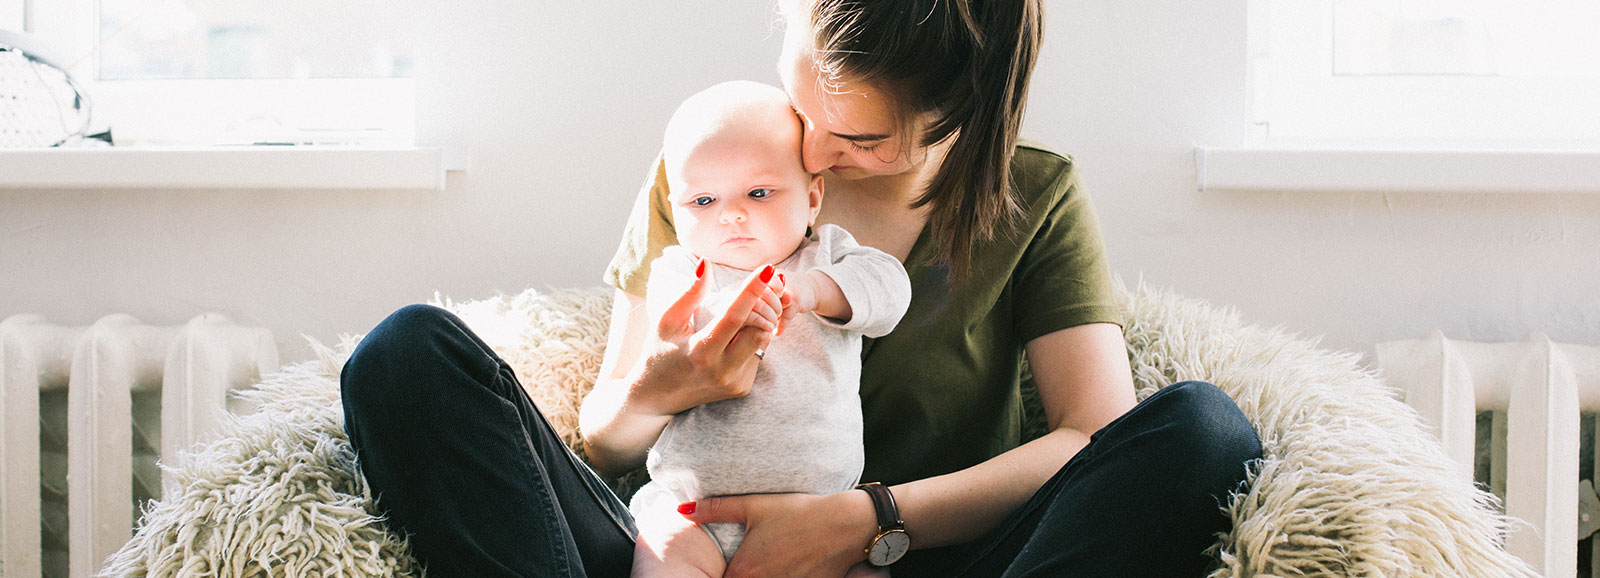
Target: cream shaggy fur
<point>1352,484</point>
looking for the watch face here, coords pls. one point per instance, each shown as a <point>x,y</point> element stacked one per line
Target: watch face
<point>889,547</point>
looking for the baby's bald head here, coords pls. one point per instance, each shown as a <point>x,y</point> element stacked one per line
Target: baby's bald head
<point>740,194</point>
<point>749,114</point>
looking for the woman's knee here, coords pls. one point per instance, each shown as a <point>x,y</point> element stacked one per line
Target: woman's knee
<point>1208,422</point>
<point>406,349</point>
<point>1199,425</point>
<point>413,320</point>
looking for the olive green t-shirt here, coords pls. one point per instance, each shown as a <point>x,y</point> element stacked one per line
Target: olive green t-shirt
<point>943,391</point>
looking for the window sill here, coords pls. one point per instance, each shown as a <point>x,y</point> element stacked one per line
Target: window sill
<point>1434,171</point>
<point>247,167</point>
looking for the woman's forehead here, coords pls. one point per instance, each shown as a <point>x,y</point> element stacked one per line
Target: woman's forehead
<point>848,109</point>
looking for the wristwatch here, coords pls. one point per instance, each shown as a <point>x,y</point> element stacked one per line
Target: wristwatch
<point>892,541</point>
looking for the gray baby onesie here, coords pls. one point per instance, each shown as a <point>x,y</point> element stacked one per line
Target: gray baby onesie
<point>799,430</point>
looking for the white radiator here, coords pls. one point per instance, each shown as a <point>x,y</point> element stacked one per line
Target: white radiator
<point>85,411</point>
<point>1537,389</point>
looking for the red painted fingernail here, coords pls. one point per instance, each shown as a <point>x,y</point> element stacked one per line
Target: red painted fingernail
<point>766,273</point>
<point>686,508</point>
<point>700,270</point>
<point>782,280</point>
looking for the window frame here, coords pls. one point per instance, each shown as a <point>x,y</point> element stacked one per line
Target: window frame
<point>1297,98</point>
<point>12,15</point>
<point>320,111</point>
<point>1280,153</point>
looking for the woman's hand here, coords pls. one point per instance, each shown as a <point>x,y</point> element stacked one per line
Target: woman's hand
<point>669,543</point>
<point>687,368</point>
<point>654,369</point>
<point>793,534</point>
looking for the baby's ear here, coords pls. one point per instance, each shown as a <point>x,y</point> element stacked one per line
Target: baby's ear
<point>816,194</point>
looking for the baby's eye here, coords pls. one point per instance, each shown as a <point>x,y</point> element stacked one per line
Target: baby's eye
<point>760,193</point>
<point>702,200</point>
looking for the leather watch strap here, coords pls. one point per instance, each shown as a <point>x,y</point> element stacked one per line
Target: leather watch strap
<point>883,502</point>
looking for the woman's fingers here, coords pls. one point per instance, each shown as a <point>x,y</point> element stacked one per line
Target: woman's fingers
<point>678,319</point>
<point>736,366</point>
<point>755,291</point>
<point>742,349</point>
<point>774,298</point>
<point>771,309</point>
<point>775,523</point>
<point>786,302</point>
<point>708,510</point>
<point>771,305</point>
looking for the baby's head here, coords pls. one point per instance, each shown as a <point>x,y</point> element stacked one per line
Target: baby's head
<point>740,195</point>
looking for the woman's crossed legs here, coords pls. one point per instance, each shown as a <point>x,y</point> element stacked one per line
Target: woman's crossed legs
<point>464,464</point>
<point>1144,498</point>
<point>468,468</point>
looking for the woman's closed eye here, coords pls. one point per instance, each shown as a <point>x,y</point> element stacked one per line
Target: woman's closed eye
<point>760,193</point>
<point>866,148</point>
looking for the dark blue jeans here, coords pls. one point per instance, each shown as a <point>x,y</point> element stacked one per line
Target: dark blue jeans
<point>463,463</point>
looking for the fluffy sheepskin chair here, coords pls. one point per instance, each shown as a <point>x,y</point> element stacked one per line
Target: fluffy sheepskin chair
<point>1352,483</point>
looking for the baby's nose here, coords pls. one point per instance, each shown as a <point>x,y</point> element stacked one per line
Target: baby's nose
<point>733,216</point>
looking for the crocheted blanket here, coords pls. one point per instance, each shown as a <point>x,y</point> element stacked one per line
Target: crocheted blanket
<point>1352,483</point>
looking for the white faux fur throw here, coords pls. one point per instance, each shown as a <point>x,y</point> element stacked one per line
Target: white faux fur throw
<point>1352,483</point>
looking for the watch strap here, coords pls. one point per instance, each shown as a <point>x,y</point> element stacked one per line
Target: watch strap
<point>883,503</point>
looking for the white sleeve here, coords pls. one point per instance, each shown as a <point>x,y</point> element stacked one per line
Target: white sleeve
<point>874,283</point>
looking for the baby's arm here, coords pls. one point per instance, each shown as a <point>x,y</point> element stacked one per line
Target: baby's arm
<point>816,292</point>
<point>865,289</point>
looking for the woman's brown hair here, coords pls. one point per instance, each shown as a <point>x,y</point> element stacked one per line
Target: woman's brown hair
<point>964,62</point>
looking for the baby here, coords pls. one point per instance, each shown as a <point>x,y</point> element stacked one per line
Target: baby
<point>742,201</point>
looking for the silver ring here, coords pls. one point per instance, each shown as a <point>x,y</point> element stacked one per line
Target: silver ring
<point>761,353</point>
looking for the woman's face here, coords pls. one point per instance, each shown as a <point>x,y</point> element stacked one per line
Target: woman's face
<point>849,129</point>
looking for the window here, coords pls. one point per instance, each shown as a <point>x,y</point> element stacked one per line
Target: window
<point>1437,96</point>
<point>239,71</point>
<point>11,15</point>
<point>1523,74</point>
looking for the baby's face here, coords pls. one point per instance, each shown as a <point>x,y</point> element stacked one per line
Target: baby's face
<point>740,197</point>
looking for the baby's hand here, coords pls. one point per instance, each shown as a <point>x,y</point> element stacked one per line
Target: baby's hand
<point>799,296</point>
<point>814,292</point>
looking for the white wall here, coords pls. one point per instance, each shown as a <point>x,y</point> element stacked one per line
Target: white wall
<point>561,105</point>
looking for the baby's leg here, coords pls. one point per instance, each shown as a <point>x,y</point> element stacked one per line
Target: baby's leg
<point>671,546</point>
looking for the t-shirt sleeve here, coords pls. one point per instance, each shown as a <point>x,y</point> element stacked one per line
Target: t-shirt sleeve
<point>873,282</point>
<point>1063,279</point>
<point>649,231</point>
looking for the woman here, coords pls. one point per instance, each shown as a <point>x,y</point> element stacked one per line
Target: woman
<point>911,111</point>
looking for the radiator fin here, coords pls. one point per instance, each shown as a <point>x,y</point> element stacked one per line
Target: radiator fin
<point>86,412</point>
<point>1534,392</point>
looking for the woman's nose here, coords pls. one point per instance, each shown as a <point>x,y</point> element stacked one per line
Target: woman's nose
<point>815,151</point>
